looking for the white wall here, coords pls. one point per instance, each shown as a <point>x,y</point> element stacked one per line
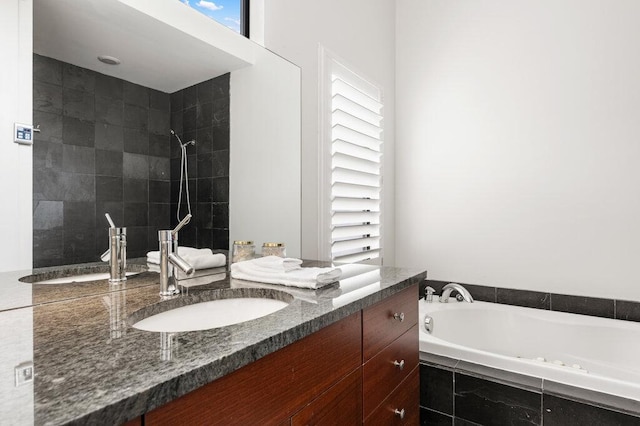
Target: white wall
<point>362,33</point>
<point>15,160</point>
<point>518,143</point>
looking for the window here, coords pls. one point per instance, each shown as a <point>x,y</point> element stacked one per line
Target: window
<point>230,13</point>
<point>351,158</point>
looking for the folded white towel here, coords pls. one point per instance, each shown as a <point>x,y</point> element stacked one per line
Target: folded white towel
<point>198,258</point>
<point>300,277</point>
<point>278,264</point>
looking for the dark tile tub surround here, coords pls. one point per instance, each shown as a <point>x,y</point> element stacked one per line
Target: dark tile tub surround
<point>594,306</point>
<point>104,146</point>
<point>201,113</point>
<point>460,393</point>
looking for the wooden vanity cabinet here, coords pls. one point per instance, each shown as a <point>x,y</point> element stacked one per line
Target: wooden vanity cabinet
<point>343,374</point>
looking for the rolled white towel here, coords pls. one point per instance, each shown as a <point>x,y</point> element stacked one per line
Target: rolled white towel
<point>302,277</point>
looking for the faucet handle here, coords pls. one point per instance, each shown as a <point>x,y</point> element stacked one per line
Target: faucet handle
<point>428,294</point>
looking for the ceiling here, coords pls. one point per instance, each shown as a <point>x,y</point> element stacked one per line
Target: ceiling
<point>162,44</point>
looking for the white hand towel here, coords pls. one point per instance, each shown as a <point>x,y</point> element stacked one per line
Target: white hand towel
<point>279,264</point>
<point>302,277</point>
<point>198,258</point>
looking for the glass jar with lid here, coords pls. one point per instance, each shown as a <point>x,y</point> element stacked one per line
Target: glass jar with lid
<point>274,249</point>
<point>242,250</point>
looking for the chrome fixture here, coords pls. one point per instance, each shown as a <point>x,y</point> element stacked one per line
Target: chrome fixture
<point>428,294</point>
<point>169,258</point>
<point>117,253</point>
<point>184,176</point>
<point>428,324</point>
<point>462,292</point>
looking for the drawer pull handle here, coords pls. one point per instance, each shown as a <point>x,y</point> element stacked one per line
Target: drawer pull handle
<point>399,316</point>
<point>399,364</point>
<point>399,413</point>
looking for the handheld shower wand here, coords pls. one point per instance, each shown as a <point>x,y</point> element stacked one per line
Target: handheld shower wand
<point>184,177</point>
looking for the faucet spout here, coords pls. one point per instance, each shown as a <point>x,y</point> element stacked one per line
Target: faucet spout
<point>116,254</point>
<point>169,259</point>
<point>447,289</point>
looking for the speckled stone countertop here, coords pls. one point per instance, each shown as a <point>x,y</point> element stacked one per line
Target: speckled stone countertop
<point>92,367</point>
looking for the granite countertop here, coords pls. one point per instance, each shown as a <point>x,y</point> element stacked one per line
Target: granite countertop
<point>91,366</point>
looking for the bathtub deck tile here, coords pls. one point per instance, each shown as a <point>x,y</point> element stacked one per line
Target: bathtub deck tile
<point>487,403</point>
<point>629,311</point>
<point>438,360</point>
<point>436,389</point>
<point>590,397</point>
<point>526,298</point>
<point>434,418</point>
<point>561,412</point>
<point>508,378</point>
<point>583,305</point>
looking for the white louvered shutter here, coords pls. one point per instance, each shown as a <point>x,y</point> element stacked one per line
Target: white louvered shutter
<point>356,158</point>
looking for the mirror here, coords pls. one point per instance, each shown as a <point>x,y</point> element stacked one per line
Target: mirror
<point>104,143</point>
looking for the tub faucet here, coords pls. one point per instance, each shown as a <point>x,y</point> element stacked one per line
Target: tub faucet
<point>116,254</point>
<point>169,259</point>
<point>447,289</point>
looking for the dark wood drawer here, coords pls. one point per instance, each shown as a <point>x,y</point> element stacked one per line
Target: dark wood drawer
<point>382,323</point>
<point>405,399</point>
<point>273,388</point>
<point>382,374</point>
<point>340,405</point>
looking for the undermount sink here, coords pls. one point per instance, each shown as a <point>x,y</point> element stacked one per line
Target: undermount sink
<point>210,314</point>
<point>81,278</point>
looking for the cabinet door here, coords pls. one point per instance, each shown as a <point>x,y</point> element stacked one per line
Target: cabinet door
<point>388,319</point>
<point>402,407</point>
<point>270,390</point>
<point>340,405</point>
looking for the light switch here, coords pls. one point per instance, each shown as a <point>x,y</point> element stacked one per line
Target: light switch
<point>23,133</point>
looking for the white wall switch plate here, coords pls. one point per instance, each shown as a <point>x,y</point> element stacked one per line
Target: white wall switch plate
<point>23,133</point>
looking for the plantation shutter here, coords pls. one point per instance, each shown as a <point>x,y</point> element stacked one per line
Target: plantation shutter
<point>356,154</point>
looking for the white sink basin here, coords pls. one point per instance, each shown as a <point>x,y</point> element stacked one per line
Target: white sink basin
<point>81,278</point>
<point>212,314</point>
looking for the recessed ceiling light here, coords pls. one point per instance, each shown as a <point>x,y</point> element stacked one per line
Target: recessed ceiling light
<point>109,60</point>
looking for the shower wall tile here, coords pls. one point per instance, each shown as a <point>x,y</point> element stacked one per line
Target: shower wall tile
<point>189,97</point>
<point>92,157</point>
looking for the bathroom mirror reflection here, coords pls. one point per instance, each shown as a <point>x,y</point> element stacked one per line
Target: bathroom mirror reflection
<point>112,80</point>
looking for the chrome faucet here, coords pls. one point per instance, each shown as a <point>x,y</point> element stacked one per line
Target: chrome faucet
<point>462,292</point>
<point>117,253</point>
<point>169,258</point>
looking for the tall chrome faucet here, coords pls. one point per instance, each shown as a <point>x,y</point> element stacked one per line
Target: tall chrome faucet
<point>169,258</point>
<point>117,253</point>
<point>447,289</point>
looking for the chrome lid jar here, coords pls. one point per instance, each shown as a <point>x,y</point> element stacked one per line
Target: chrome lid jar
<point>242,250</point>
<point>274,249</point>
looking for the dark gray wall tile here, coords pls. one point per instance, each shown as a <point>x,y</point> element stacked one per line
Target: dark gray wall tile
<point>583,305</point>
<point>205,166</point>
<point>108,188</point>
<point>74,77</point>
<point>136,190</point>
<point>158,122</point>
<point>526,298</point>
<point>47,155</point>
<point>221,87</point>
<point>78,132</point>
<point>489,403</point>
<point>204,140</point>
<point>159,145</point>
<point>220,239</point>
<point>47,70</point>
<point>134,94</point>
<point>204,218</point>
<point>115,210</point>
<point>436,389</point>
<point>189,119</point>
<point>220,138</point>
<point>205,238</point>
<point>220,213</point>
<point>176,101</point>
<point>50,127</point>
<point>204,91</point>
<point>204,115</point>
<point>109,87</point>
<point>108,163</point>
<point>138,241</point>
<point>159,168</point>
<point>109,110</point>
<point>48,247</point>
<point>47,215</point>
<point>136,214</point>
<point>562,412</point>
<point>47,97</point>
<point>78,104</point>
<point>220,113</point>
<point>79,215</point>
<point>135,166</point>
<point>78,159</point>
<point>626,310</point>
<point>159,100</point>
<point>78,187</point>
<point>159,214</point>
<point>176,122</point>
<point>220,163</point>
<point>136,117</point>
<point>136,141</point>
<point>159,191</point>
<point>221,189</point>
<point>205,190</point>
<point>189,97</point>
<point>80,245</point>
<point>108,136</point>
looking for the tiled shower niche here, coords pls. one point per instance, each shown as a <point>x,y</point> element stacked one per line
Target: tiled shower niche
<point>104,146</point>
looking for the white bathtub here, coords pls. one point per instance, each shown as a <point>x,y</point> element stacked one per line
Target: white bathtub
<point>593,353</point>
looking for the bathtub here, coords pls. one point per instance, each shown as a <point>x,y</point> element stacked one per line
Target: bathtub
<point>588,352</point>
